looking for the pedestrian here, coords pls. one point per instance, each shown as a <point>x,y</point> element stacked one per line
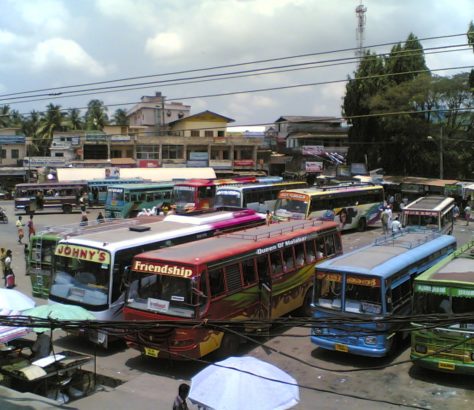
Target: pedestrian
<point>467,213</point>
<point>83,202</point>
<point>396,226</point>
<point>180,402</point>
<point>385,218</point>
<point>269,217</point>
<point>9,276</point>
<point>84,220</point>
<point>100,217</point>
<point>19,227</point>
<point>31,227</point>
<point>3,255</point>
<point>455,212</point>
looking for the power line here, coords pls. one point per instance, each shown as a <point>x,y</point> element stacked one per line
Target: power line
<point>236,64</point>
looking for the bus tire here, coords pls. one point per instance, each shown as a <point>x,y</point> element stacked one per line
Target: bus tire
<point>67,209</point>
<point>306,310</point>
<point>229,346</point>
<point>362,226</point>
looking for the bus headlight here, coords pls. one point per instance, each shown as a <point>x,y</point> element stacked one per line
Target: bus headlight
<point>317,331</point>
<point>371,340</point>
<point>421,349</point>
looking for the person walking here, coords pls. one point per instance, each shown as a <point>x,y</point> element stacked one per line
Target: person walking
<point>269,217</point>
<point>467,214</point>
<point>385,217</point>
<point>455,212</point>
<point>19,226</point>
<point>8,275</point>
<point>3,255</point>
<point>180,402</point>
<point>31,227</point>
<point>396,226</point>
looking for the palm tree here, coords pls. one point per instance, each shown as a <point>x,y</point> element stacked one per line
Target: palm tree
<point>74,120</point>
<point>120,117</point>
<point>96,115</point>
<point>4,116</point>
<point>30,128</point>
<point>53,120</point>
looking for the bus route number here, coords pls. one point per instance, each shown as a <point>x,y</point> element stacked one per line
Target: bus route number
<point>151,352</point>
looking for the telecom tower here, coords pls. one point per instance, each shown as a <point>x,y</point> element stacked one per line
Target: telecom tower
<point>360,12</point>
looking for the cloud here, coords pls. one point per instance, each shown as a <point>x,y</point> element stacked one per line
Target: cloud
<point>164,45</point>
<point>59,52</point>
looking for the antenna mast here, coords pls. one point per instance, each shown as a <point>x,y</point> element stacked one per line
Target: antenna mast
<point>360,12</point>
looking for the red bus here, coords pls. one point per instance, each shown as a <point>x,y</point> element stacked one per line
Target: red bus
<point>259,273</point>
<point>196,194</point>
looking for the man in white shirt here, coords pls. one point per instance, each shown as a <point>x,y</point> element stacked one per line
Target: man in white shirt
<point>396,226</point>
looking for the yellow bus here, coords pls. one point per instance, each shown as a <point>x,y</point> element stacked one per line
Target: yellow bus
<point>351,205</point>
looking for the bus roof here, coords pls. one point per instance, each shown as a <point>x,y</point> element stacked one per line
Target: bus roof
<point>330,189</point>
<point>216,182</point>
<point>51,184</point>
<point>111,181</point>
<point>262,238</point>
<point>170,227</point>
<point>388,255</point>
<point>150,185</point>
<point>457,268</point>
<point>259,185</point>
<point>430,203</point>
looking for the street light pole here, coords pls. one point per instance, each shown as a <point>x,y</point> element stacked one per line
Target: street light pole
<point>441,165</point>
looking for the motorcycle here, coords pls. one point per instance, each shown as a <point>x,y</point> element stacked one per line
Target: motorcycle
<point>3,216</point>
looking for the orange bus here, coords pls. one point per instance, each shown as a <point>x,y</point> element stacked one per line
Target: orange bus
<point>260,273</point>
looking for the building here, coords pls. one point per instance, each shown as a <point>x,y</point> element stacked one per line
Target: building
<point>12,146</point>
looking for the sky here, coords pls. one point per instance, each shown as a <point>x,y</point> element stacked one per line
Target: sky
<point>45,44</point>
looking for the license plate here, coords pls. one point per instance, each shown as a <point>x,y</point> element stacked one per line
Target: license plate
<point>151,352</point>
<point>341,348</point>
<point>446,366</point>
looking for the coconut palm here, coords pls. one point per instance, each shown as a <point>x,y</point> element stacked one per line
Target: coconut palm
<point>53,120</point>
<point>4,116</point>
<point>96,115</point>
<point>120,117</point>
<point>74,120</point>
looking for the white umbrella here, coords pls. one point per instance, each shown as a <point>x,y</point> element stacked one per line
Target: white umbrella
<point>8,333</point>
<point>12,299</point>
<point>234,384</point>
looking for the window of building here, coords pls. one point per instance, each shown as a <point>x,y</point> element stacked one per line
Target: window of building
<point>208,133</point>
<point>172,151</point>
<point>15,153</point>
<point>194,133</point>
<point>147,152</point>
<point>4,153</point>
<point>116,153</point>
<point>59,154</point>
<point>221,133</point>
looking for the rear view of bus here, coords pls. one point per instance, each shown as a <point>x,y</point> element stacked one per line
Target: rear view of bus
<point>445,290</point>
<point>430,212</point>
<point>373,281</point>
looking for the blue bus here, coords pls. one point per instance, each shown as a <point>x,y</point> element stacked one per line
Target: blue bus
<point>97,188</point>
<point>129,200</point>
<point>373,281</point>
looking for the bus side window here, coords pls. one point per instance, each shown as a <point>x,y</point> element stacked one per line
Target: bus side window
<point>329,241</point>
<point>263,270</point>
<point>320,249</point>
<point>233,277</point>
<point>288,258</point>
<point>276,262</point>
<point>248,272</point>
<point>216,282</point>
<point>133,197</point>
<point>141,196</point>
<point>127,197</point>
<point>299,252</point>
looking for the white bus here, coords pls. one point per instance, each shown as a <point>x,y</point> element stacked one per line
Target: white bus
<point>89,270</point>
<point>432,212</point>
<point>259,197</point>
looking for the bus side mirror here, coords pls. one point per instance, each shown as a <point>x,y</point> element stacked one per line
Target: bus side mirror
<point>126,276</point>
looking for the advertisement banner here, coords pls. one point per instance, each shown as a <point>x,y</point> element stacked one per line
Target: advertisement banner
<point>220,164</point>
<point>244,163</point>
<point>148,163</point>
<point>112,172</point>
<point>198,156</point>
<point>312,150</point>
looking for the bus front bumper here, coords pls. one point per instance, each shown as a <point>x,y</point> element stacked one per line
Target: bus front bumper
<point>360,350</point>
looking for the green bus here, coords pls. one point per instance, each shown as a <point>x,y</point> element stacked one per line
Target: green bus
<point>40,257</point>
<point>130,200</point>
<point>97,188</point>
<point>445,290</point>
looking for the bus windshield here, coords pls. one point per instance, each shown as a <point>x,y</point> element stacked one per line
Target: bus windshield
<point>228,198</point>
<point>115,195</point>
<point>162,294</point>
<point>81,281</point>
<point>184,194</point>
<point>291,208</point>
<point>429,303</point>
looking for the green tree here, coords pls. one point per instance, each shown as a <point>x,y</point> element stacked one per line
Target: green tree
<point>120,117</point>
<point>470,40</point>
<point>30,128</point>
<point>74,120</point>
<point>96,115</point>
<point>52,121</point>
<point>4,116</point>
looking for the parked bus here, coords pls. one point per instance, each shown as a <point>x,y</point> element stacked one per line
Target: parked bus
<point>260,273</point>
<point>40,258</point>
<point>433,212</point>
<point>259,197</point>
<point>195,194</point>
<point>446,289</point>
<point>128,200</point>
<point>89,268</point>
<point>373,281</point>
<point>49,196</point>
<point>351,205</point>
<point>97,188</point>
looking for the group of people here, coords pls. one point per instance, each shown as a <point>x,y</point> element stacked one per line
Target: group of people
<point>389,223</point>
<point>467,213</point>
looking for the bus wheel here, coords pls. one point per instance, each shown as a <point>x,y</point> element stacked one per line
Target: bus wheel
<point>229,346</point>
<point>306,310</point>
<point>67,209</point>
<point>362,225</point>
